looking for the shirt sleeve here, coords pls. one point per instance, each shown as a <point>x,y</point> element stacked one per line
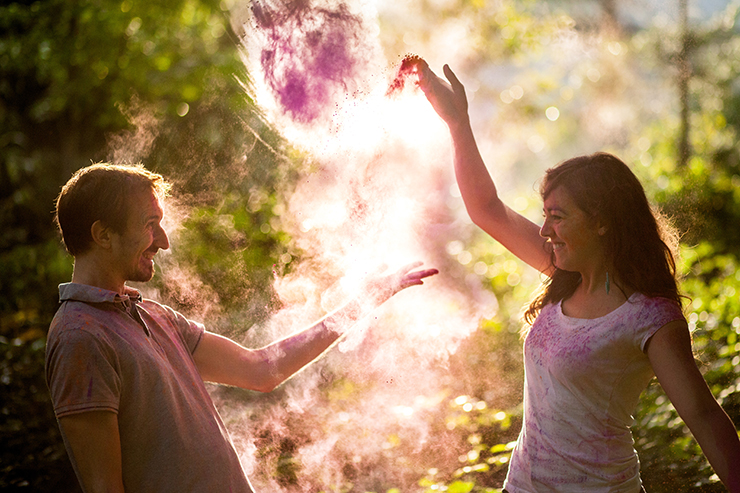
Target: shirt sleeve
<point>189,331</point>
<point>656,313</point>
<point>82,373</point>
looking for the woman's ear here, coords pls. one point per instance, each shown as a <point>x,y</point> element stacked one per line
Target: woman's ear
<point>101,234</point>
<point>602,230</point>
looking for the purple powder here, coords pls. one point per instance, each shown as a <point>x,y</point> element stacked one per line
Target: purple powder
<point>312,55</point>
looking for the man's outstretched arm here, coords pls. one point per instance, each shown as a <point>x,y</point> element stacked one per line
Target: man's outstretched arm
<point>222,360</point>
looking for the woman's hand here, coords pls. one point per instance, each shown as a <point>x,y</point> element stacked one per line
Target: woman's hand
<point>447,99</point>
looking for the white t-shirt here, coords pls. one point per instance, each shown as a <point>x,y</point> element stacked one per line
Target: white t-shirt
<point>583,379</point>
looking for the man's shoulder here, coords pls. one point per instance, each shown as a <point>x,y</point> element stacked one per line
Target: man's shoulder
<point>73,291</point>
<point>160,310</point>
<point>169,318</point>
<point>80,312</point>
<point>81,317</point>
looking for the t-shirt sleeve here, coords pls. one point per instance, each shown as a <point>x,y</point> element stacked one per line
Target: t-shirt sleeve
<point>81,373</point>
<point>656,313</point>
<point>190,331</point>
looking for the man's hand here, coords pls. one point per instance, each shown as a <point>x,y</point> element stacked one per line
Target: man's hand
<point>379,289</point>
<point>222,360</point>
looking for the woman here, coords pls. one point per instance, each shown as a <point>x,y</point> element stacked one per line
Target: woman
<point>609,318</point>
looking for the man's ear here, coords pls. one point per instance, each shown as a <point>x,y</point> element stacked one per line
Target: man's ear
<point>601,227</point>
<point>101,234</point>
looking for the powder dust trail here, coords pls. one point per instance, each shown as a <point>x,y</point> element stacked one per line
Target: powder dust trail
<point>363,413</point>
<point>309,54</point>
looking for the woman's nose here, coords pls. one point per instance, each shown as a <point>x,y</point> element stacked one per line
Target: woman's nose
<point>545,230</point>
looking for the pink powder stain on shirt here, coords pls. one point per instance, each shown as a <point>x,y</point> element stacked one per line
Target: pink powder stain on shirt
<point>90,389</point>
<point>583,380</point>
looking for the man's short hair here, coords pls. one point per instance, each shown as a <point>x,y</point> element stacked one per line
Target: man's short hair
<point>101,192</point>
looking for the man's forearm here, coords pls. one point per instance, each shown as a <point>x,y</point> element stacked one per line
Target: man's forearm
<point>290,354</point>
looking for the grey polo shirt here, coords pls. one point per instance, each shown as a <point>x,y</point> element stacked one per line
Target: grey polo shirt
<point>133,357</point>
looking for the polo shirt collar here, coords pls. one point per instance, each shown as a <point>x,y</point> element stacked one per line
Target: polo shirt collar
<point>71,291</point>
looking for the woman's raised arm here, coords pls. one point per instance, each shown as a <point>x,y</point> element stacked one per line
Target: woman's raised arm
<point>517,233</point>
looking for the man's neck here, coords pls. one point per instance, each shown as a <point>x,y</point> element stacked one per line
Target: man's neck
<point>89,270</point>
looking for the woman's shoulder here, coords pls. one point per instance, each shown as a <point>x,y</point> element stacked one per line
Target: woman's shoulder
<point>656,307</point>
<point>653,301</point>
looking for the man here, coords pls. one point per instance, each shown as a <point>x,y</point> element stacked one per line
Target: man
<point>127,375</point>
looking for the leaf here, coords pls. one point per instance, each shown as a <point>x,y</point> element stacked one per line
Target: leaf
<point>460,487</point>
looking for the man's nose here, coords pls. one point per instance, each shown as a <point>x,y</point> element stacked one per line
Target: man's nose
<point>160,240</point>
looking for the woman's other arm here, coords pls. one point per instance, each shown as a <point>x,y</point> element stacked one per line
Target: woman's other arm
<point>670,355</point>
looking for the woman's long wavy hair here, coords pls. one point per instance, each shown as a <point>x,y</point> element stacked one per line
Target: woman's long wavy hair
<point>639,243</point>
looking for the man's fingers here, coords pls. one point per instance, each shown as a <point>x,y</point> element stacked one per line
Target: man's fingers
<point>421,274</point>
<point>415,278</point>
<point>408,267</point>
<point>401,279</point>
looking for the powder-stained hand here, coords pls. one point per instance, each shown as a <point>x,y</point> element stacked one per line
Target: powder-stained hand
<point>379,288</point>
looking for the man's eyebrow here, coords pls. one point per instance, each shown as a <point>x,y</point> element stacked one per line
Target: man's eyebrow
<point>153,217</point>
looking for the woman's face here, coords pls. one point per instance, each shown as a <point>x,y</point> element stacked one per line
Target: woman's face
<point>575,237</point>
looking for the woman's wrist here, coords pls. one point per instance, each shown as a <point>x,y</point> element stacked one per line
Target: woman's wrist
<point>460,126</point>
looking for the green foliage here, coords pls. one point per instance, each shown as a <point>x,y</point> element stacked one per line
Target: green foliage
<point>29,275</point>
<point>124,81</point>
<point>711,282</point>
<point>157,82</point>
<point>483,465</point>
<point>232,250</point>
<point>32,457</point>
<point>67,68</point>
<point>703,201</point>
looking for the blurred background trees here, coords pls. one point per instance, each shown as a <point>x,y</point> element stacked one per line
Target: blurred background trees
<point>162,82</point>
<point>156,82</point>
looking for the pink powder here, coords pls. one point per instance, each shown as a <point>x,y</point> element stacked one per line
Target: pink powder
<point>409,66</point>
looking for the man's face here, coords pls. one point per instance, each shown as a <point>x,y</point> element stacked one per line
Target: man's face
<point>134,250</point>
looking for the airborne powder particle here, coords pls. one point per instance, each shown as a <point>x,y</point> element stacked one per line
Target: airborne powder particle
<point>409,66</point>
